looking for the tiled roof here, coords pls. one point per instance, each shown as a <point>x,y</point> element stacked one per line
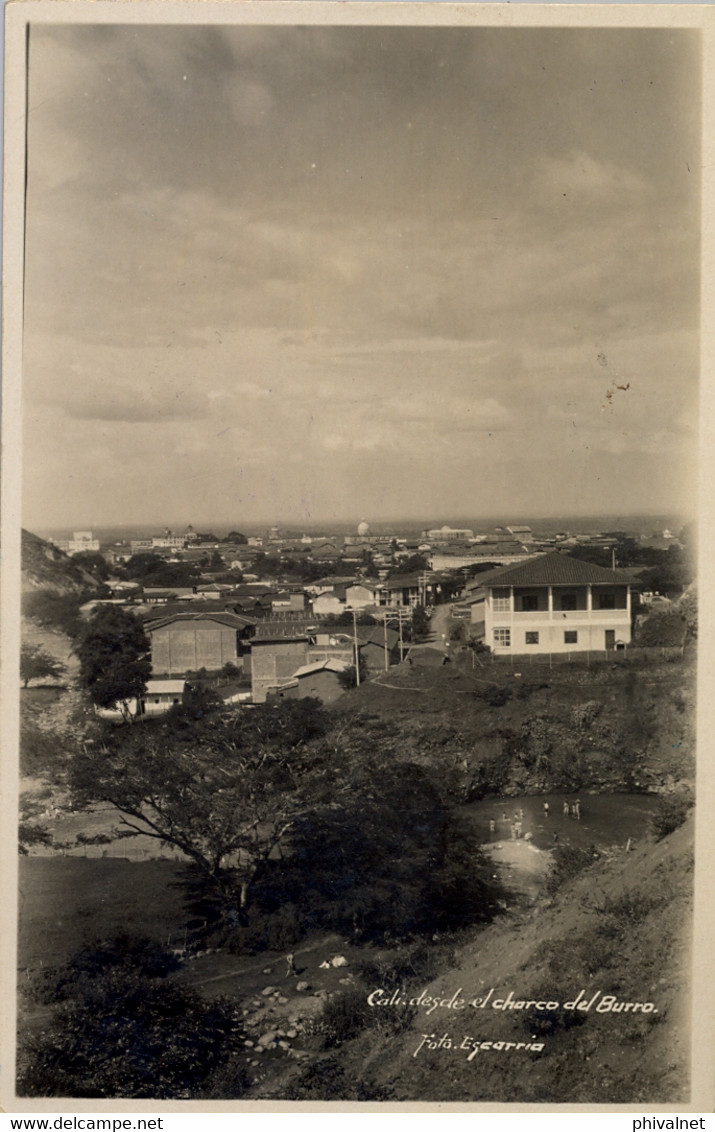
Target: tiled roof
<point>319,666</point>
<point>553,569</point>
<point>230,620</point>
<point>165,687</point>
<point>376,636</point>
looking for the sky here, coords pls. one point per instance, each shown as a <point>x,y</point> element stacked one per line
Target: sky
<point>293,274</point>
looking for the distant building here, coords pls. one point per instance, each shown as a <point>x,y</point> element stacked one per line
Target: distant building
<point>320,679</point>
<point>82,542</point>
<point>186,642</point>
<point>328,604</point>
<point>273,663</point>
<point>379,647</point>
<point>522,534</point>
<point>362,595</point>
<point>288,603</point>
<point>162,695</point>
<point>448,534</point>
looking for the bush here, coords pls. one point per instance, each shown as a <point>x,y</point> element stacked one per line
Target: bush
<point>496,695</point>
<point>345,1016</point>
<point>122,1027</point>
<point>568,863</point>
<point>670,813</point>
<point>421,962</point>
<point>545,1023</point>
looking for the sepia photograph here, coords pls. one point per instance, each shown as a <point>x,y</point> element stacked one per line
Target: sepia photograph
<point>355,364</point>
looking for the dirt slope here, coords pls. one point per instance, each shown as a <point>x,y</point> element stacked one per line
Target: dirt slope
<point>44,566</point>
<point>615,931</point>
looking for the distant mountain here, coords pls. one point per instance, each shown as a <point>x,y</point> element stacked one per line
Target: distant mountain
<point>44,566</point>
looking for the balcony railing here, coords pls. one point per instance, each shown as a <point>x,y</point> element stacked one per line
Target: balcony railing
<point>620,616</point>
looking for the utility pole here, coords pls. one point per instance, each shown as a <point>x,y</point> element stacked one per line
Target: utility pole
<point>357,653</point>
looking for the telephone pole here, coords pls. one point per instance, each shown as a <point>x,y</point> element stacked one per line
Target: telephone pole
<point>357,652</point>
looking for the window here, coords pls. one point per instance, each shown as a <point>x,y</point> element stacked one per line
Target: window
<point>532,638</point>
<point>570,637</point>
<point>502,637</point>
<point>606,601</point>
<point>529,603</point>
<point>501,600</point>
<point>568,602</point>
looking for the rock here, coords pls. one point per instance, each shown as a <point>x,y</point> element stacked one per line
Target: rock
<point>267,970</point>
<point>346,982</point>
<point>339,961</point>
<point>302,986</point>
<point>249,1044</point>
<point>268,990</point>
<point>284,1045</point>
<point>291,1033</point>
<point>282,1000</point>
<point>267,1039</point>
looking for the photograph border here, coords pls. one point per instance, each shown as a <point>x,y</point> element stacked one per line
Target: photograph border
<point>18,15</point>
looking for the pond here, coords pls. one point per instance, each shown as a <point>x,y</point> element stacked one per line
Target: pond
<point>605,819</point>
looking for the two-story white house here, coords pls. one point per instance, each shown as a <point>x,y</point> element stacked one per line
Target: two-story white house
<point>555,603</point>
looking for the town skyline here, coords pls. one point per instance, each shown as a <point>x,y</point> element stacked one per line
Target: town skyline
<point>360,271</point>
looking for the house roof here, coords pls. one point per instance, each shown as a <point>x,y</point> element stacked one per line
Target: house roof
<point>274,638</point>
<point>404,581</point>
<point>320,666</point>
<point>554,569</point>
<point>157,687</point>
<point>375,635</point>
<point>230,620</point>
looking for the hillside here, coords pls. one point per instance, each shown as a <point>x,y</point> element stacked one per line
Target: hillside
<point>44,566</point>
<point>494,732</point>
<point>616,935</point>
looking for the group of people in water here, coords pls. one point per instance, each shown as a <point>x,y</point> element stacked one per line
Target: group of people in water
<point>570,809</point>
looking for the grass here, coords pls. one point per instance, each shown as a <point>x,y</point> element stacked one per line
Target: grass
<point>66,902</point>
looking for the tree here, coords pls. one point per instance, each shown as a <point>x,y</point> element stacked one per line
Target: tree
<point>688,606</point>
<point>36,664</point>
<point>236,538</point>
<point>409,565</point>
<point>381,854</point>
<point>122,1027</point>
<point>420,622</point>
<point>113,652</point>
<point>94,562</point>
<point>347,679</point>
<point>222,787</point>
<point>55,610</point>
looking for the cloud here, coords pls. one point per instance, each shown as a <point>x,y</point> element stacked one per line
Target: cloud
<point>588,178</point>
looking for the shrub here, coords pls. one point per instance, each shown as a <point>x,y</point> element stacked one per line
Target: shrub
<point>495,695</point>
<point>568,863</point>
<point>420,961</point>
<point>670,813</point>
<point>121,1027</point>
<point>345,1016</point>
<point>544,1023</point>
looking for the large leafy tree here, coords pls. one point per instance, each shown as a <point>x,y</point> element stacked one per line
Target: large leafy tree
<point>37,664</point>
<point>121,1027</point>
<point>114,658</point>
<point>225,789</point>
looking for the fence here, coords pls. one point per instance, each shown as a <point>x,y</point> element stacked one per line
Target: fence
<point>631,654</point>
